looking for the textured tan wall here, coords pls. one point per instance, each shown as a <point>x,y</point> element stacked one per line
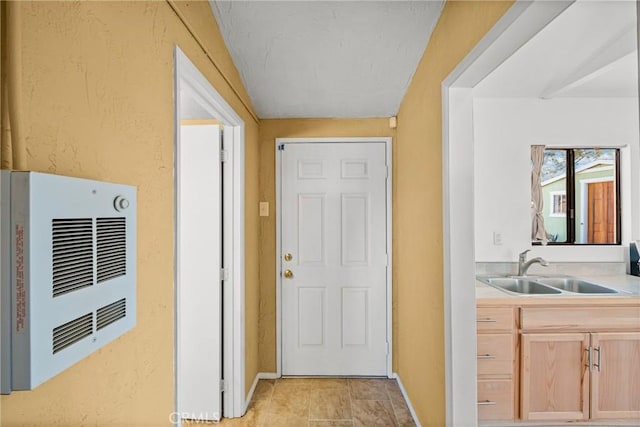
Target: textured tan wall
<point>291,128</point>
<point>418,262</point>
<point>98,103</point>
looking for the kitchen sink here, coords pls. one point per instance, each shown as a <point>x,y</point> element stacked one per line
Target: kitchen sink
<point>520,285</point>
<point>578,286</point>
<point>547,285</point>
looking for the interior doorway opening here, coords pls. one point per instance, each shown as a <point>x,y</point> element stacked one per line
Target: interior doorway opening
<point>200,107</point>
<point>512,31</point>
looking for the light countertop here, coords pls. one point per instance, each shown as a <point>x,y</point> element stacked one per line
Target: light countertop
<point>630,285</point>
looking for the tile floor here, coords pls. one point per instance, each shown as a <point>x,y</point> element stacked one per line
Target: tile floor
<point>325,402</point>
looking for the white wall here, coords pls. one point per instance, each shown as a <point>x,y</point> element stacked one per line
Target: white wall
<point>505,129</point>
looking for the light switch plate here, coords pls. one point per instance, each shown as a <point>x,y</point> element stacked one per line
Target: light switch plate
<point>264,208</point>
<point>497,238</point>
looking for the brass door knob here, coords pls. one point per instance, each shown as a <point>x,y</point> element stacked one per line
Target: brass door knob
<point>288,274</point>
<point>288,257</point>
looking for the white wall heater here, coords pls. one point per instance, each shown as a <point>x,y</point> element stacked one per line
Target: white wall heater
<point>69,246</point>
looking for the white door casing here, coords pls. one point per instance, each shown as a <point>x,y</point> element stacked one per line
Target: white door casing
<point>191,89</point>
<point>521,22</point>
<point>333,213</point>
<point>199,261</point>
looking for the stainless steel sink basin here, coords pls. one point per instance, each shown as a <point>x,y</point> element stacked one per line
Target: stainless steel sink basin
<point>571,284</point>
<point>547,285</point>
<point>519,285</point>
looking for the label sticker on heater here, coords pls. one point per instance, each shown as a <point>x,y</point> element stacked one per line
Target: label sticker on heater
<point>21,302</point>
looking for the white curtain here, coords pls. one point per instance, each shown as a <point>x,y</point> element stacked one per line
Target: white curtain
<point>538,232</point>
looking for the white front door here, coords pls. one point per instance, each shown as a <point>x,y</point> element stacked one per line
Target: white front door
<point>334,245</point>
<point>199,255</point>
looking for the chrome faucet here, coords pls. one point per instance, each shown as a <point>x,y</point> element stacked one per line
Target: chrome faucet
<point>523,264</point>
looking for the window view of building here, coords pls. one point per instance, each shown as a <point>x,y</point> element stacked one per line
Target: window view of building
<point>579,188</point>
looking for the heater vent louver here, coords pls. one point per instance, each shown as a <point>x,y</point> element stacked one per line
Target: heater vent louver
<point>112,248</point>
<point>111,313</point>
<point>72,332</point>
<point>68,272</point>
<point>72,245</point>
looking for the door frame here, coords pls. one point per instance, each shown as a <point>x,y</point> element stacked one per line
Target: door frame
<point>584,204</point>
<point>517,26</point>
<point>191,83</point>
<point>389,223</point>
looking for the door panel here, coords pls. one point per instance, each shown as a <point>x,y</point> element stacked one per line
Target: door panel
<point>198,265</point>
<point>355,316</point>
<point>601,215</point>
<point>311,230</point>
<point>311,316</point>
<point>355,226</point>
<point>333,223</point>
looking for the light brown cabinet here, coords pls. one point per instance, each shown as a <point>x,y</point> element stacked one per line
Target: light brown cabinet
<point>495,400</point>
<point>580,376</point>
<point>495,354</point>
<point>615,381</point>
<point>575,373</point>
<point>555,376</point>
<point>496,363</point>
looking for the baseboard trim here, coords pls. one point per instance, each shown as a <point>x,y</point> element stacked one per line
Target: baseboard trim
<point>268,375</point>
<point>259,376</point>
<point>406,399</point>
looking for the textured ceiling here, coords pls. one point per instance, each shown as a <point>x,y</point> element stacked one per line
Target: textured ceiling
<point>326,58</point>
<point>590,50</point>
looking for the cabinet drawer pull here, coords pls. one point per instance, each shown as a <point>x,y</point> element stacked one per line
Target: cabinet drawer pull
<point>486,356</point>
<point>486,403</point>
<point>486,320</point>
<point>599,350</point>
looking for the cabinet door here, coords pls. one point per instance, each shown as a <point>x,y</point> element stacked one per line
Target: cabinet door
<point>615,378</point>
<point>555,376</point>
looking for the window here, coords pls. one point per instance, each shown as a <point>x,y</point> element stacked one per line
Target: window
<point>582,189</point>
<point>558,203</point>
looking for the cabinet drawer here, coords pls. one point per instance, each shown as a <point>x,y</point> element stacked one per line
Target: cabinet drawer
<point>580,318</point>
<point>494,319</point>
<point>495,400</point>
<point>495,354</point>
